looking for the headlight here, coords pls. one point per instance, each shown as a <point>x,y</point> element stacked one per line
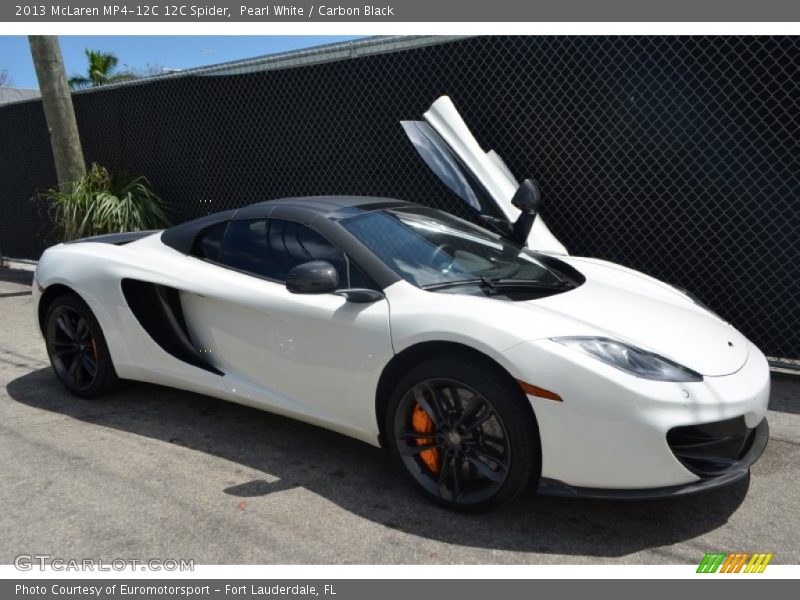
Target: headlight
<point>631,359</point>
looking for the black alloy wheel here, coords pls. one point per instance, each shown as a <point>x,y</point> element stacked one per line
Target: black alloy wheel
<point>77,348</point>
<point>465,456</point>
<point>467,437</point>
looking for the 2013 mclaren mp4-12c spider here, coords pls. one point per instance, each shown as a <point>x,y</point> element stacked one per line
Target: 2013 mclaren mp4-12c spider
<point>483,356</point>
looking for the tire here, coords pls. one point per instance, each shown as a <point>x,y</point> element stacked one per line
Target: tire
<point>77,348</point>
<point>464,432</point>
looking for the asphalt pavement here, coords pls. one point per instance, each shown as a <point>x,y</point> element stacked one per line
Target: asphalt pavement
<point>153,472</point>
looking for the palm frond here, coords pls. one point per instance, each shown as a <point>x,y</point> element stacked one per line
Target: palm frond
<point>101,203</point>
<point>77,82</point>
<point>101,68</point>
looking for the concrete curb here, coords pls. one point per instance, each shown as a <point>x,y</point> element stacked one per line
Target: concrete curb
<point>17,263</point>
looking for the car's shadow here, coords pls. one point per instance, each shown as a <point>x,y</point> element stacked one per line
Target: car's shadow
<point>785,393</point>
<point>361,479</point>
<point>20,276</point>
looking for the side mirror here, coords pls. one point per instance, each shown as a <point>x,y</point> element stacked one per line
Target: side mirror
<point>315,277</point>
<point>527,198</point>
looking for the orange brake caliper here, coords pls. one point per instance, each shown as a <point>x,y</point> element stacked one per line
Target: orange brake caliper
<point>422,423</point>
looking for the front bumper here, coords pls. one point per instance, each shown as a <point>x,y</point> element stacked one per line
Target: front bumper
<point>734,472</point>
<point>609,435</point>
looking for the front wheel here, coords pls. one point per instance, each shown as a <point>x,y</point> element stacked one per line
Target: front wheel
<point>77,348</point>
<point>464,432</point>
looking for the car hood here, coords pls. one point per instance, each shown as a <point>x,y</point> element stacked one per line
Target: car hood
<point>629,306</point>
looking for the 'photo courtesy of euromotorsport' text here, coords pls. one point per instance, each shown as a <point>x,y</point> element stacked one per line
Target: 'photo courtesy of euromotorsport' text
<point>378,300</point>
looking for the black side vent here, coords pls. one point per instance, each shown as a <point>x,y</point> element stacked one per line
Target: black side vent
<point>158,310</point>
<point>712,448</point>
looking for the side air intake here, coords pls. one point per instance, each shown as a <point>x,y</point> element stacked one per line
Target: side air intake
<point>158,310</point>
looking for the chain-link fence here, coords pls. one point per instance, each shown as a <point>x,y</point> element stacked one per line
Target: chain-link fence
<point>677,156</point>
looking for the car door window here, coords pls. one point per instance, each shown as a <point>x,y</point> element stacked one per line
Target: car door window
<point>272,247</point>
<point>208,243</point>
<point>245,247</point>
<point>281,261</point>
<point>315,247</point>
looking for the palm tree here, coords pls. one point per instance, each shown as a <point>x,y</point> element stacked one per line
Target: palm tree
<point>58,110</point>
<point>102,70</point>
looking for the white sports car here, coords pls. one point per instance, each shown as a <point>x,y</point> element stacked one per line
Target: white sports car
<point>484,358</point>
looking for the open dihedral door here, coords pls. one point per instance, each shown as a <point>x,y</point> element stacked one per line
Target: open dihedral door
<point>479,178</point>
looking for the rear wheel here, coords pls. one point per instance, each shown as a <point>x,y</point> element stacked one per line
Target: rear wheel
<point>77,348</point>
<point>464,432</point>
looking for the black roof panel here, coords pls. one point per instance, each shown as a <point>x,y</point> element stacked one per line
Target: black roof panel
<point>304,209</point>
<point>317,204</point>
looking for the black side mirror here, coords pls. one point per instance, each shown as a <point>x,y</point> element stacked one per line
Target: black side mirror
<point>527,198</point>
<point>315,277</point>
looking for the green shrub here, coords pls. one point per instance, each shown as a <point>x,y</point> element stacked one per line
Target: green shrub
<point>102,203</point>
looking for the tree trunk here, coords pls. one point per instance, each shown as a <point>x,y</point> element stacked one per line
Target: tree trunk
<point>58,109</point>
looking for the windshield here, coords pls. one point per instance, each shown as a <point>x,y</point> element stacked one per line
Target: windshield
<point>430,248</point>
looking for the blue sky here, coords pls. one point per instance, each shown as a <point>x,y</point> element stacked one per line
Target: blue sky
<point>177,52</point>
